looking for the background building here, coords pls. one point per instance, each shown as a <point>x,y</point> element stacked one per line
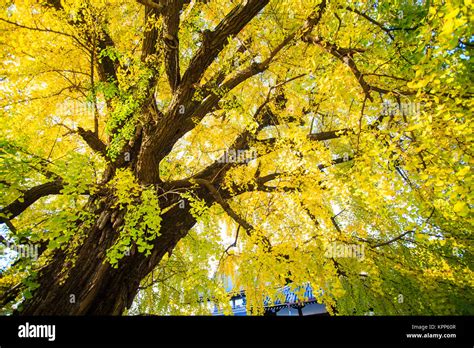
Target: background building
<point>291,305</point>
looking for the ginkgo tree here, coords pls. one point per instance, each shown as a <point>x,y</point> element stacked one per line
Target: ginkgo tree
<point>154,149</point>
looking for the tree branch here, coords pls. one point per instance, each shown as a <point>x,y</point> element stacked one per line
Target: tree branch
<point>93,141</point>
<point>43,163</point>
<point>46,30</point>
<point>392,240</point>
<point>227,208</point>
<point>321,136</point>
<point>214,41</point>
<point>346,55</point>
<point>159,139</point>
<point>371,20</point>
<point>151,34</point>
<point>255,68</point>
<point>176,123</point>
<point>30,196</point>
<point>106,66</point>
<point>151,4</point>
<point>171,41</point>
<point>387,30</point>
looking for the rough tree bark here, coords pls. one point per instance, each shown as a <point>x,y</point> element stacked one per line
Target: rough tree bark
<point>81,281</point>
<point>90,285</point>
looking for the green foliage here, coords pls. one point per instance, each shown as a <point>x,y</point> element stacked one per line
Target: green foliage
<point>142,220</point>
<point>184,283</point>
<point>405,194</point>
<point>199,208</point>
<point>127,103</point>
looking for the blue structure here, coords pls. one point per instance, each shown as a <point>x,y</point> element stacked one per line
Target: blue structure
<point>290,305</point>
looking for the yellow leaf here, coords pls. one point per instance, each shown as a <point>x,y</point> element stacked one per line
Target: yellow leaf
<point>461,208</point>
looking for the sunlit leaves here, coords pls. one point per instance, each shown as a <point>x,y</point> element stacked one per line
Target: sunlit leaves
<point>396,179</point>
<point>142,220</point>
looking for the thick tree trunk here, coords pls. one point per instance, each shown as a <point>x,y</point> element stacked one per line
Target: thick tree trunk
<point>81,281</point>
<point>92,285</point>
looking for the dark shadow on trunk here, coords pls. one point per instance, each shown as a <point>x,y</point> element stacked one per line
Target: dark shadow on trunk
<point>92,285</point>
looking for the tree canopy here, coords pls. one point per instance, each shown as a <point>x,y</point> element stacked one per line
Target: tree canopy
<point>153,150</point>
